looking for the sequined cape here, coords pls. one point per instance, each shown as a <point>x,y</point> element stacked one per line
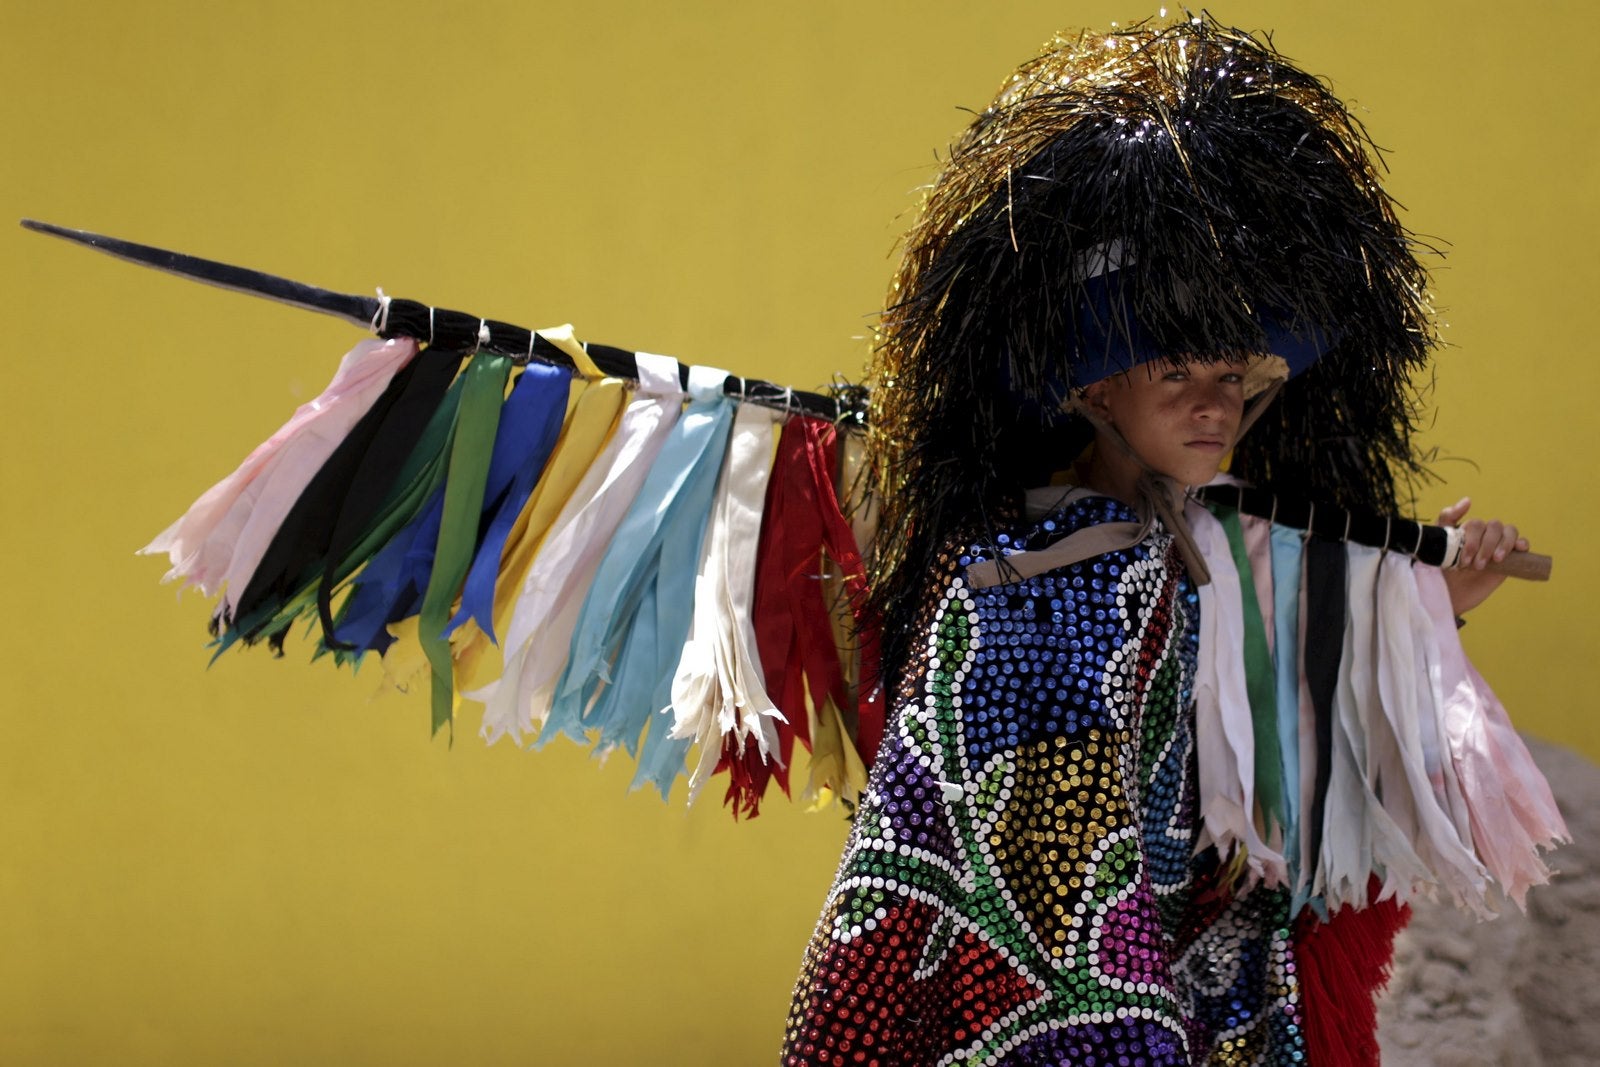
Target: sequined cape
<point>1020,885</point>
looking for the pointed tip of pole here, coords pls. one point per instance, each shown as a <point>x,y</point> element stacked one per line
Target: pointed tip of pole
<point>358,310</point>
<point>81,236</point>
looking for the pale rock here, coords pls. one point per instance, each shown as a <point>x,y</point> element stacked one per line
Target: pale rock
<point>1521,989</point>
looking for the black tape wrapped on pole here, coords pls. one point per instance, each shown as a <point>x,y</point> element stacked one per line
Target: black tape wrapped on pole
<point>441,327</point>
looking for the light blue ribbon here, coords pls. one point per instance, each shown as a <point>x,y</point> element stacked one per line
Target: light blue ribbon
<point>639,609</point>
<point>1288,544</point>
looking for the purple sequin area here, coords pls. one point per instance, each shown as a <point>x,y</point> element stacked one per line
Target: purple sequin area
<point>905,792</point>
<point>1123,1043</point>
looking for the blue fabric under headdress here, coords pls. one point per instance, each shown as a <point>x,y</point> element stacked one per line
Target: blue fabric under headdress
<point>1111,339</point>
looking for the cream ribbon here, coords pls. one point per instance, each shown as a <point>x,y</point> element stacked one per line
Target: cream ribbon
<point>1358,818</point>
<point>1347,824</point>
<point>855,495</point>
<point>718,691</point>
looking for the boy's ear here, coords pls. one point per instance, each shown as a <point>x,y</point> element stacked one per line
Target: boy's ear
<point>1093,397</point>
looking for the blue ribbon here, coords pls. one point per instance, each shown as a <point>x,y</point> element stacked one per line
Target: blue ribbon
<point>391,586</point>
<point>530,426</point>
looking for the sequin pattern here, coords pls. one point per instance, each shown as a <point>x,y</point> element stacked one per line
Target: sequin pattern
<point>1020,886</point>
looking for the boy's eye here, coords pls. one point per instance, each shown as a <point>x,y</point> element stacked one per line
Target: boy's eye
<point>1233,379</point>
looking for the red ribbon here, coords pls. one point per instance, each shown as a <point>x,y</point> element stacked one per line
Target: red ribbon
<point>802,527</point>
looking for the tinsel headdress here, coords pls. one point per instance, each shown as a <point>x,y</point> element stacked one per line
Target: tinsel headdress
<point>1179,191</point>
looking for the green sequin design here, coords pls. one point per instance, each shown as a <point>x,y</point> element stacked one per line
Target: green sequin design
<point>1072,988</point>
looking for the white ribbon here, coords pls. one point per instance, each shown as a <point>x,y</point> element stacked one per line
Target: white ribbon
<point>1407,765</point>
<point>718,691</point>
<point>1224,733</point>
<point>1349,810</point>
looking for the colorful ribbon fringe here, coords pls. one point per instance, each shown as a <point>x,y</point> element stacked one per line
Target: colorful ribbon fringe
<point>672,574</point>
<point>584,556</point>
<point>1346,746</point>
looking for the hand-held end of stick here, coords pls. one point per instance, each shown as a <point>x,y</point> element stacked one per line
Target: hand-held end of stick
<point>1530,566</point>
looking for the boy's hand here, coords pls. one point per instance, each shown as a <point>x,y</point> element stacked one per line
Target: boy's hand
<point>1481,542</point>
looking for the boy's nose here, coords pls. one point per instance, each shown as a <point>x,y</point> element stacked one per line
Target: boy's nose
<point>1209,401</point>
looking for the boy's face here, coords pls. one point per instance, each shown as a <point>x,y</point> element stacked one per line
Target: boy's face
<point>1180,419</point>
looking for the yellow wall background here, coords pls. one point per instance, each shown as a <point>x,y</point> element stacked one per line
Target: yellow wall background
<point>257,863</point>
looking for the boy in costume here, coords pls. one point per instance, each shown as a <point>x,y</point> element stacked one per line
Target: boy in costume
<point>1131,807</point>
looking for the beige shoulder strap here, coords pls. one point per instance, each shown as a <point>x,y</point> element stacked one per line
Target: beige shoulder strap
<point>1076,547</point>
<point>1042,501</point>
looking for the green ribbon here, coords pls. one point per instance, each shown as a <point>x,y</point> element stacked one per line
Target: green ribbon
<point>482,394</point>
<point>453,450</point>
<point>1260,680</point>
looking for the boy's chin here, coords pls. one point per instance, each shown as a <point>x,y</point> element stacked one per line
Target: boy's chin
<point>1191,476</point>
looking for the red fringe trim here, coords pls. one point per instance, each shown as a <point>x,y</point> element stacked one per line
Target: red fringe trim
<point>1343,964</point>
